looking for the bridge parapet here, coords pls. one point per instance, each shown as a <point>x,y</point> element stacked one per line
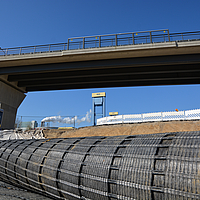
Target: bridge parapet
<point>99,41</point>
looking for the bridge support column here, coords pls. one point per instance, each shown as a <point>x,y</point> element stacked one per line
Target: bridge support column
<point>10,100</point>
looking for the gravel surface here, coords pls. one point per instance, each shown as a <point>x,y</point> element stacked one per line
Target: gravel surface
<point>10,192</point>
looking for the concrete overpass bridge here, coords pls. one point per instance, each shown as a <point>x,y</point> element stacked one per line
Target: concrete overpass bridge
<point>118,60</point>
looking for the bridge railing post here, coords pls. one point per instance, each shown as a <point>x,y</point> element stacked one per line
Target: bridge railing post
<point>168,35</point>
<point>116,40</point>
<point>83,43</point>
<point>68,44</point>
<point>150,37</point>
<point>133,38</point>
<point>99,41</point>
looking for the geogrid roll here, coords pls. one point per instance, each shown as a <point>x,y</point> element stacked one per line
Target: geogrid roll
<point>158,166</point>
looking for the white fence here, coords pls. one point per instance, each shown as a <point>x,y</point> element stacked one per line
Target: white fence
<point>151,117</point>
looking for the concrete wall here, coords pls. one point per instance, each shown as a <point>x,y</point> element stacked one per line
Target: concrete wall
<point>10,100</point>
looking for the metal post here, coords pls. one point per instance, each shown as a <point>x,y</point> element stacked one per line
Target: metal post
<point>133,38</point>
<point>168,35</point>
<point>64,46</point>
<point>99,41</point>
<point>68,44</point>
<point>116,40</point>
<point>104,107</point>
<point>150,37</point>
<point>21,122</point>
<point>34,49</point>
<point>83,43</point>
<point>49,48</point>
<point>182,36</point>
<point>20,51</point>
<point>3,53</point>
<point>93,110</point>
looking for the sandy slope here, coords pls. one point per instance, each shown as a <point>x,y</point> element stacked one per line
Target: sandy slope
<point>126,129</point>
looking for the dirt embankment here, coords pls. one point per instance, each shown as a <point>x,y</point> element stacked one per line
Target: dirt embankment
<point>126,129</point>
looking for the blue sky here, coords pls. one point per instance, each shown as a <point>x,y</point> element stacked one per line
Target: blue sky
<point>26,22</point>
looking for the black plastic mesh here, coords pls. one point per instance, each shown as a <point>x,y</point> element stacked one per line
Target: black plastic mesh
<point>158,166</point>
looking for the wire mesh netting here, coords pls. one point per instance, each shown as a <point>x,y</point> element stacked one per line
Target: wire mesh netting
<point>157,166</point>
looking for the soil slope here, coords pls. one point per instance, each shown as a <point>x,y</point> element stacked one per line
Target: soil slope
<point>126,129</point>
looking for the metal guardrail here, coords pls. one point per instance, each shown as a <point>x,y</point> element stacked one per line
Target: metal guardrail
<point>151,117</point>
<point>121,39</point>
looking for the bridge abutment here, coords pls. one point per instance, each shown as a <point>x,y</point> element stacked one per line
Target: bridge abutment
<point>10,100</point>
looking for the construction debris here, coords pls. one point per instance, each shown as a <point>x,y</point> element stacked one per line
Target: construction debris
<point>14,135</point>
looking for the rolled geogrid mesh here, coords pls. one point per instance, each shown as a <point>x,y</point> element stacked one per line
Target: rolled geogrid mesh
<point>158,166</point>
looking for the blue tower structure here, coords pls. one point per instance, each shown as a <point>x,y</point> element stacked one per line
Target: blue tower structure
<point>98,107</point>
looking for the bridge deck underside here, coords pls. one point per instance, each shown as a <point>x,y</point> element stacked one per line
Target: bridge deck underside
<point>146,71</point>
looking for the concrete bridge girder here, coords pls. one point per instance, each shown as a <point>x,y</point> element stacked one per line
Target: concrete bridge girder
<point>169,63</point>
<point>130,51</point>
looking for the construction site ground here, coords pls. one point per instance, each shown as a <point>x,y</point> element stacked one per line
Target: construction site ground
<point>10,192</point>
<point>125,129</point>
